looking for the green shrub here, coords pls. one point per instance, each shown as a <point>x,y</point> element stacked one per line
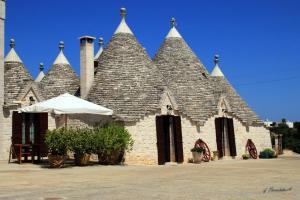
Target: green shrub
<point>112,138</point>
<point>81,140</point>
<point>198,149</point>
<point>267,153</point>
<point>57,141</point>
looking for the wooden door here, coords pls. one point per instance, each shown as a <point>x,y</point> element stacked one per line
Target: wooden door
<point>219,123</point>
<point>41,128</point>
<point>17,120</point>
<point>160,140</point>
<point>231,137</point>
<point>178,139</point>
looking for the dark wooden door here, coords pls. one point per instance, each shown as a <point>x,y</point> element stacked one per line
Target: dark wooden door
<point>219,123</point>
<point>178,139</point>
<point>160,140</point>
<point>17,119</point>
<point>41,128</point>
<point>231,137</point>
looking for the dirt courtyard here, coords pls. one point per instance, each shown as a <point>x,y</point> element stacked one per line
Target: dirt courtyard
<point>223,179</point>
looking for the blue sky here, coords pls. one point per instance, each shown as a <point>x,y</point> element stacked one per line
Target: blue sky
<point>258,41</point>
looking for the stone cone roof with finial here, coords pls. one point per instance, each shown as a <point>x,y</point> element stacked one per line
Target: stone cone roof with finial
<point>186,77</point>
<point>41,75</point>
<point>61,78</point>
<point>237,106</point>
<point>16,76</point>
<point>126,80</point>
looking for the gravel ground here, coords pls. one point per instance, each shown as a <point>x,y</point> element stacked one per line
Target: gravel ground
<point>223,179</point>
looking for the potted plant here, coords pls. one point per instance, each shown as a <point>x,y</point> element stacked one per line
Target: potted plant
<point>111,143</point>
<point>198,154</point>
<point>57,143</point>
<point>81,144</point>
<point>215,155</point>
<point>267,153</point>
<point>246,156</point>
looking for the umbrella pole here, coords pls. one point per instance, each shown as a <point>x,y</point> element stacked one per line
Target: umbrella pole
<point>66,121</point>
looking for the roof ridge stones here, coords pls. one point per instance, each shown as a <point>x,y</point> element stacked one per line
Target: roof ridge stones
<point>16,76</point>
<point>126,80</point>
<point>238,107</point>
<point>60,79</point>
<point>186,78</point>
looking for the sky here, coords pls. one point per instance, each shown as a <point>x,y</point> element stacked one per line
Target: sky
<point>258,41</point>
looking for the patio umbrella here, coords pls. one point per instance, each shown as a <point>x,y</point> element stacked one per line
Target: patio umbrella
<point>67,104</point>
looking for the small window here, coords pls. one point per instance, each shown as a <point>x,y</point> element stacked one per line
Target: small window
<point>203,74</point>
<point>247,129</point>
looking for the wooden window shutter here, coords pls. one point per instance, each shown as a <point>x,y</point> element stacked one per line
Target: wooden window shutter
<point>231,137</point>
<point>17,120</point>
<point>160,140</point>
<point>178,139</point>
<point>42,127</point>
<point>219,136</point>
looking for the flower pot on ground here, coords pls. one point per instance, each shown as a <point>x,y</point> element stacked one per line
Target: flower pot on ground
<point>57,141</point>
<point>215,155</point>
<point>82,145</point>
<point>111,143</point>
<point>246,156</point>
<point>82,159</point>
<point>198,154</point>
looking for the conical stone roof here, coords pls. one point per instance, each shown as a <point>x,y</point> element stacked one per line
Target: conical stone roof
<point>126,81</point>
<point>16,76</point>
<point>61,78</point>
<point>186,77</point>
<point>238,107</point>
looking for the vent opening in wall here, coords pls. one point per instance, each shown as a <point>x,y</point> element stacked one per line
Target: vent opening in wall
<point>203,74</point>
<point>247,129</point>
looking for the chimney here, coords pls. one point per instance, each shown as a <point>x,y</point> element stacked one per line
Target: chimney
<point>86,64</point>
<point>2,20</point>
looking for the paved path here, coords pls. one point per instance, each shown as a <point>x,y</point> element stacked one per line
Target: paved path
<point>228,179</point>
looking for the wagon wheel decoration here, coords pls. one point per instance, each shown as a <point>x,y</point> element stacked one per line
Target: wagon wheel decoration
<point>201,143</point>
<point>251,149</point>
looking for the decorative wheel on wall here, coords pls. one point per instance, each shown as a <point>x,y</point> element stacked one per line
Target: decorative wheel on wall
<point>251,149</point>
<point>206,156</point>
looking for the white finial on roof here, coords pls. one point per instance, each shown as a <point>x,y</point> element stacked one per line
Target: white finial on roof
<point>12,56</point>
<point>61,59</point>
<point>100,48</point>
<point>41,74</point>
<point>173,32</point>
<point>123,27</point>
<point>217,71</point>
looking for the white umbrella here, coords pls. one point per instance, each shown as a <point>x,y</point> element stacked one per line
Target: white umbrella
<point>67,104</point>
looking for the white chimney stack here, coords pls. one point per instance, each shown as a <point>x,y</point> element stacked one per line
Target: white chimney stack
<point>2,20</point>
<point>86,64</point>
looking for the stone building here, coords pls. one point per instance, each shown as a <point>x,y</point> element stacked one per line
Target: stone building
<point>167,103</point>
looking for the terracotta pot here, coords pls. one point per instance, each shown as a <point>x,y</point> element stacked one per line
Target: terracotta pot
<point>82,159</point>
<point>114,158</point>
<point>56,161</point>
<point>197,157</point>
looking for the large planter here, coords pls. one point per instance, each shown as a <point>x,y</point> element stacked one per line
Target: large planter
<point>82,159</point>
<point>56,161</point>
<point>197,157</point>
<point>114,158</point>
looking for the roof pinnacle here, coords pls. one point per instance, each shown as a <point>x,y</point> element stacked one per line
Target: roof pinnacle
<point>12,43</point>
<point>173,22</point>
<point>61,45</point>
<point>100,42</point>
<point>123,12</point>
<point>216,60</point>
<point>41,67</point>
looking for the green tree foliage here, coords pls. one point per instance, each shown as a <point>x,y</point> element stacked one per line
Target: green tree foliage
<point>291,136</point>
